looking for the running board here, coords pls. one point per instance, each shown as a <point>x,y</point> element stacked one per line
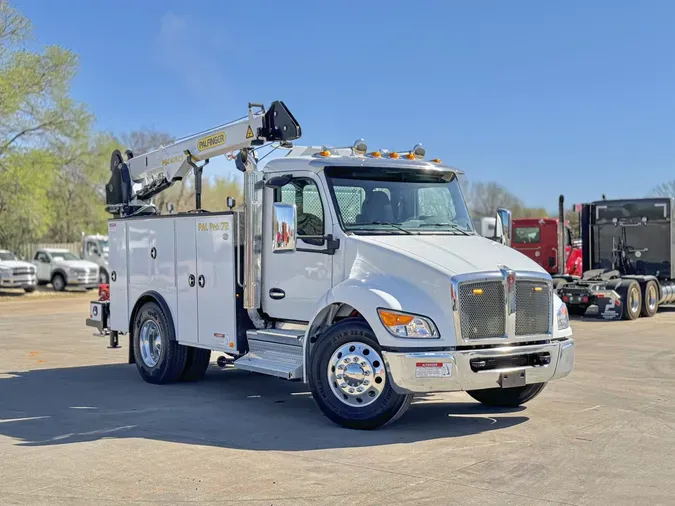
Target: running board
<point>274,352</point>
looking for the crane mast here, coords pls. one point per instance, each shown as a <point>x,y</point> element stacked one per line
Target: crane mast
<point>157,170</point>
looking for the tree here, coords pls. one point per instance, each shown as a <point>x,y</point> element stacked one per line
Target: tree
<point>485,198</point>
<point>36,114</point>
<point>666,189</point>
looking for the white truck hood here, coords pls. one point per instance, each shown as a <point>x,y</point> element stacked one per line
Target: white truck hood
<point>12,264</point>
<point>454,254</point>
<point>82,264</point>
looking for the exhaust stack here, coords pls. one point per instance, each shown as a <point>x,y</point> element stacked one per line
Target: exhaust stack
<point>561,235</point>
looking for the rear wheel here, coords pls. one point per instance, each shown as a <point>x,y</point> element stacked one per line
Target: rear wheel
<point>196,364</point>
<point>58,282</point>
<point>650,299</point>
<point>349,381</point>
<point>159,358</point>
<point>507,397</point>
<point>631,296</point>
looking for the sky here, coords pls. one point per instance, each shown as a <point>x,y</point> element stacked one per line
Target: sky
<point>574,97</point>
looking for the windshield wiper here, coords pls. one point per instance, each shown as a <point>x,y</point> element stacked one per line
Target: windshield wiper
<point>397,226</point>
<point>451,225</point>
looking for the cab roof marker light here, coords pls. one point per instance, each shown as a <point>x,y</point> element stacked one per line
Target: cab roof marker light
<point>324,152</point>
<point>394,155</point>
<point>436,160</point>
<point>376,154</point>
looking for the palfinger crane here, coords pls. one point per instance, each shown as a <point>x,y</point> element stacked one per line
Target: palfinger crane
<point>157,170</point>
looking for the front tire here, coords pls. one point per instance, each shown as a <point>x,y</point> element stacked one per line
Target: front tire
<point>349,381</point>
<point>507,397</point>
<point>650,299</point>
<point>159,358</point>
<point>58,282</point>
<point>29,289</point>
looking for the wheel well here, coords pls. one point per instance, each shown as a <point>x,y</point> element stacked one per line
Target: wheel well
<point>329,315</point>
<point>61,273</point>
<point>151,296</point>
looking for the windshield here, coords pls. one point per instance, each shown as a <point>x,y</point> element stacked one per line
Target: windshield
<point>526,235</point>
<point>399,201</point>
<point>6,255</point>
<point>103,244</point>
<point>63,255</point>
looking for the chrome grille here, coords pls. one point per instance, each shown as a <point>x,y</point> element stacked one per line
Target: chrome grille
<point>18,271</point>
<point>92,271</point>
<point>482,316</point>
<point>533,307</point>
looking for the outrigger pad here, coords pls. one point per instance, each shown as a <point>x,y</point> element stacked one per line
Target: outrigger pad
<point>279,124</point>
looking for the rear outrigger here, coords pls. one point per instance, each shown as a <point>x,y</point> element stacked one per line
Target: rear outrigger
<point>358,273</point>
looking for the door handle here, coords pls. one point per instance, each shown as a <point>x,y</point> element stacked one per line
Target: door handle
<point>277,293</point>
<point>191,280</point>
<point>201,280</point>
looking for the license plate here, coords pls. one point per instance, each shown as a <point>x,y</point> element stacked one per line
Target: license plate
<point>512,379</point>
<point>433,370</point>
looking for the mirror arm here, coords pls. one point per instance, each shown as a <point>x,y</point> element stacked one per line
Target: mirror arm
<point>332,244</point>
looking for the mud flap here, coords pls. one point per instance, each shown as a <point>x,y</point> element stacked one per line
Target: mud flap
<point>610,307</point>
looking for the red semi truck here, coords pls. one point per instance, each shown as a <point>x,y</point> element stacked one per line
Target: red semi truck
<point>542,239</point>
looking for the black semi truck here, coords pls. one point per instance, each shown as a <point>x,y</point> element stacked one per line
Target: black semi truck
<point>628,252</point>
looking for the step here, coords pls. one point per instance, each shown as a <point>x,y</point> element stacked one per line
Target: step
<point>273,352</point>
<point>281,336</point>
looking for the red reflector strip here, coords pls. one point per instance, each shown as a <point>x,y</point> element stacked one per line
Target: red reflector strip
<point>429,364</point>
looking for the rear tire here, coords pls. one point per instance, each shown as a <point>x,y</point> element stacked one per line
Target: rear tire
<point>650,299</point>
<point>507,397</point>
<point>159,358</point>
<point>58,282</point>
<point>341,402</point>
<point>631,298</point>
<point>196,364</point>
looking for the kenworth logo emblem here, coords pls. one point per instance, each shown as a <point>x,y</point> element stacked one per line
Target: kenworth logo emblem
<point>510,288</point>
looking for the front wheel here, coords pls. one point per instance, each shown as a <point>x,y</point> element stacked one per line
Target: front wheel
<point>507,397</point>
<point>58,283</point>
<point>29,289</point>
<point>159,358</point>
<point>349,381</point>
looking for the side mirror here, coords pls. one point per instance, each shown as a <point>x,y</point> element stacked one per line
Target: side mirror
<point>284,224</point>
<point>503,227</point>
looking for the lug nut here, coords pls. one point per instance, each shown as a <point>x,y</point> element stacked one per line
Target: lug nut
<point>360,389</point>
<point>351,390</point>
<point>339,376</point>
<point>367,373</point>
<point>366,382</point>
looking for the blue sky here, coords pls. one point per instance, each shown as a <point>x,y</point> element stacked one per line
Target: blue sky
<point>575,97</point>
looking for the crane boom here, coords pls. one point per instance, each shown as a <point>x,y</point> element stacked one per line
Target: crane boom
<point>157,170</point>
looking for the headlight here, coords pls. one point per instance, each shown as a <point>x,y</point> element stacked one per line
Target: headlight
<point>407,325</point>
<point>563,318</point>
<point>76,272</point>
<point>5,271</point>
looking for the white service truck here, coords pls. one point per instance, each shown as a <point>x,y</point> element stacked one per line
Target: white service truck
<point>358,273</point>
<point>95,249</point>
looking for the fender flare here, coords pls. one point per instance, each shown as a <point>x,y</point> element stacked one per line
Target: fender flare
<point>148,296</point>
<point>59,270</point>
<point>364,298</point>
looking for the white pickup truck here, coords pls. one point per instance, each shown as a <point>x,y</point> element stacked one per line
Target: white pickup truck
<point>15,273</point>
<point>359,273</point>
<point>62,268</point>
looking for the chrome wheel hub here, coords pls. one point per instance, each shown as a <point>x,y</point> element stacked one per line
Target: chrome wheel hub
<point>356,374</point>
<point>651,297</point>
<point>151,343</point>
<point>634,301</point>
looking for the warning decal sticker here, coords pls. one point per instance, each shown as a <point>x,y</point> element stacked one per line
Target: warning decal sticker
<point>249,132</point>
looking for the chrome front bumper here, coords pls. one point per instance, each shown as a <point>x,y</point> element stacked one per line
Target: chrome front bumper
<point>19,281</point>
<point>447,371</point>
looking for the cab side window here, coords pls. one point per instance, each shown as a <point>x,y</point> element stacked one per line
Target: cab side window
<point>304,193</point>
<point>42,257</point>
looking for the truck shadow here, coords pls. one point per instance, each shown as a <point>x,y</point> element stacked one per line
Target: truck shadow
<point>229,408</point>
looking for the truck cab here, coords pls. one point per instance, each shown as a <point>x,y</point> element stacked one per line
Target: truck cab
<point>15,273</point>
<point>62,268</point>
<point>537,238</point>
<point>95,249</point>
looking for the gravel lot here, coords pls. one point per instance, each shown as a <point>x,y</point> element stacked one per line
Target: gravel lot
<point>79,427</point>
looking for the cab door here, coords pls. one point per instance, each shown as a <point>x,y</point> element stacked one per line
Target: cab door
<point>294,281</point>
